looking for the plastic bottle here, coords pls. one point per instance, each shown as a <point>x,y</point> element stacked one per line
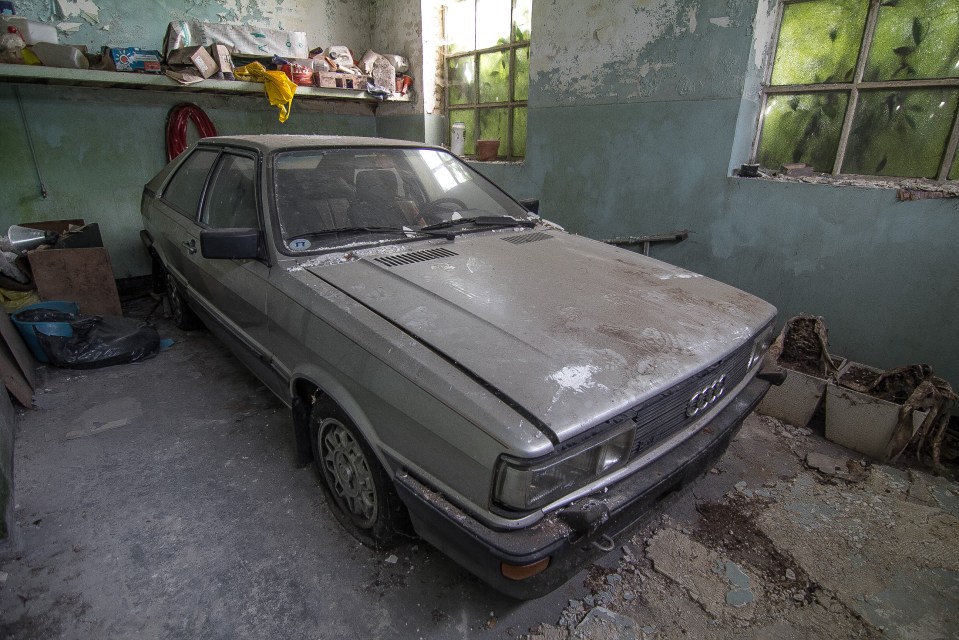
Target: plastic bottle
<point>458,138</point>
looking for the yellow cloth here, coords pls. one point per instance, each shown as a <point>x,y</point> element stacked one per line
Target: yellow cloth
<point>279,89</point>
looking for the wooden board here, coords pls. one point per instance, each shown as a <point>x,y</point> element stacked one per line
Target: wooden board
<point>19,350</point>
<point>83,276</point>
<point>13,379</point>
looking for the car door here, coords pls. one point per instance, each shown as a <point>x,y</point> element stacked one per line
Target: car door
<point>178,209</point>
<point>234,292</point>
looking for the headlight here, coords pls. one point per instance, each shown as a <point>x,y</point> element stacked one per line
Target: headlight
<point>760,345</point>
<point>523,485</point>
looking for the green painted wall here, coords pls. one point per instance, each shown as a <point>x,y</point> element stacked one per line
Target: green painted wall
<point>637,112</point>
<point>96,148</point>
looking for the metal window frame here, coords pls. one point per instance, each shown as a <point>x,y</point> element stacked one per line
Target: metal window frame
<point>852,89</point>
<point>476,106</point>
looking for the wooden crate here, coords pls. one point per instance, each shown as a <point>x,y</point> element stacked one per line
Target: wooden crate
<point>332,80</point>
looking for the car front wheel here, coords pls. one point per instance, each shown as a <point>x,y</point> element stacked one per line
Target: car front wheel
<point>357,488</point>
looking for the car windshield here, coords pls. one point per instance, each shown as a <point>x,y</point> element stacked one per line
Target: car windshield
<point>332,198</point>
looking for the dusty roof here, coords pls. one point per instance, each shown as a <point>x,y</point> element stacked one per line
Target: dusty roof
<point>274,142</point>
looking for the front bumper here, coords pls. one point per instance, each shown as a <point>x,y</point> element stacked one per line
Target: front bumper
<point>482,550</point>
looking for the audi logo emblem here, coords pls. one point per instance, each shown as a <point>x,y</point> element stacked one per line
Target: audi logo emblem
<point>706,397</point>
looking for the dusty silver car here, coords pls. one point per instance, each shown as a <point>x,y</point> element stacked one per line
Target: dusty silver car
<point>456,366</point>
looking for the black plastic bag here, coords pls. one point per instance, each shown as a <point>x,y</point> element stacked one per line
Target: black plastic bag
<point>101,341</point>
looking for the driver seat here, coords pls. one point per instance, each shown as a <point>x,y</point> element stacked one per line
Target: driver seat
<point>377,200</point>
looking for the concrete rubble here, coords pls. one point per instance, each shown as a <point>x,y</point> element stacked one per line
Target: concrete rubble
<point>789,537</point>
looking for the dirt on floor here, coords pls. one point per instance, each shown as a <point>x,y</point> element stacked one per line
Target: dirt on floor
<point>810,543</point>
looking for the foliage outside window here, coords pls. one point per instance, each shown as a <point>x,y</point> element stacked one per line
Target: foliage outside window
<point>868,87</point>
<point>487,71</point>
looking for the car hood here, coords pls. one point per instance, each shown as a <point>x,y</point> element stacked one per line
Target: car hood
<point>571,330</point>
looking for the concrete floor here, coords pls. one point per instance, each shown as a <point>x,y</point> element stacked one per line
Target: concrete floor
<point>162,500</point>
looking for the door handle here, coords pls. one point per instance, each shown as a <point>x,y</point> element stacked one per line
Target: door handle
<point>190,245</point>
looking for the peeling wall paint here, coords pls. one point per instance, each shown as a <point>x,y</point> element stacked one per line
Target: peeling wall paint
<point>124,24</point>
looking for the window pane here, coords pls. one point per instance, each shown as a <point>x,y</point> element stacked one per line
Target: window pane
<point>915,39</point>
<point>802,128</point>
<point>492,22</point>
<point>459,24</point>
<point>954,173</point>
<point>462,84</point>
<point>494,77</point>
<point>901,133</point>
<point>184,190</point>
<point>232,199</point>
<point>467,117</point>
<point>521,88</point>
<point>493,125</point>
<point>522,20</point>
<point>519,132</point>
<point>819,41</point>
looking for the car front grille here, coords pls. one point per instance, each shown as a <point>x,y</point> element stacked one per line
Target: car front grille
<point>668,413</point>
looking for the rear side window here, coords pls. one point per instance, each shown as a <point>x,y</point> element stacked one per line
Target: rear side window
<point>231,199</point>
<point>184,190</point>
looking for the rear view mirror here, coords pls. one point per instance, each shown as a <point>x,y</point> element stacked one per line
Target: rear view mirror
<point>236,244</point>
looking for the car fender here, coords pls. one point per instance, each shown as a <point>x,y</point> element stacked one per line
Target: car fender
<point>328,384</point>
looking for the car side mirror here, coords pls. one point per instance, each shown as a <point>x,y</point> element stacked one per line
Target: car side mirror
<point>531,204</point>
<point>235,244</point>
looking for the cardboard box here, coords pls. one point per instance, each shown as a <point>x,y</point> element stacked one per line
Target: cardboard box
<point>193,56</point>
<point>135,60</point>
<point>224,61</point>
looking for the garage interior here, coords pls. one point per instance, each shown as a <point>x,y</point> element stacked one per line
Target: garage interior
<point>163,498</point>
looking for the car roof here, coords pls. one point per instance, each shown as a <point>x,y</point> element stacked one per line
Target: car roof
<point>267,143</point>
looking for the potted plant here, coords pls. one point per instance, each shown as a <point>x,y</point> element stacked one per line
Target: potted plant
<point>801,349</point>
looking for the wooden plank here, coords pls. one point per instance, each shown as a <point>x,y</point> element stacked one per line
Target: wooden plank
<point>81,275</point>
<point>19,350</point>
<point>13,379</point>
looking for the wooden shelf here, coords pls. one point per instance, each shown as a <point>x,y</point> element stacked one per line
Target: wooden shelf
<point>33,74</point>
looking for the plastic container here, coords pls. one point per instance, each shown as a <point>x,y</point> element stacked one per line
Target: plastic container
<point>60,55</point>
<point>458,138</point>
<point>28,330</point>
<point>31,30</point>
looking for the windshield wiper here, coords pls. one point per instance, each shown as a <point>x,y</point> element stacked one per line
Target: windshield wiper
<point>488,221</point>
<point>369,229</point>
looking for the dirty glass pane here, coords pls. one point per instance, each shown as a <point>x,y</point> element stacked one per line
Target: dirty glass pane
<point>492,22</point>
<point>462,83</point>
<point>519,132</point>
<point>467,117</point>
<point>901,133</point>
<point>522,20</point>
<point>915,39</point>
<point>494,77</point>
<point>493,125</point>
<point>521,80</point>
<point>819,41</point>
<point>954,172</point>
<point>459,23</point>
<point>802,128</point>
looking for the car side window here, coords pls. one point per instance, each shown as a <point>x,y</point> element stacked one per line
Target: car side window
<point>231,201</point>
<point>183,192</point>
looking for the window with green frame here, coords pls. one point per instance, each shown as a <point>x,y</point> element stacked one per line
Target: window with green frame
<point>487,71</point>
<point>864,87</point>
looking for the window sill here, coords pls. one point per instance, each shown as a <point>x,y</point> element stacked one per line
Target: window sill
<point>907,188</point>
<point>32,74</point>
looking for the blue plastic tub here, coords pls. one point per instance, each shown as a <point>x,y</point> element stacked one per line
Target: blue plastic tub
<point>29,330</point>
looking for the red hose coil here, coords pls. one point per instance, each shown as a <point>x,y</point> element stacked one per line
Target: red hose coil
<point>176,127</point>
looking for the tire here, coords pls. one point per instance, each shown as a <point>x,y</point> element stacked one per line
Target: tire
<point>181,314</point>
<point>357,488</point>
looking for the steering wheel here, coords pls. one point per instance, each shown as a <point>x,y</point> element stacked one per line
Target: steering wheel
<point>434,210</point>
